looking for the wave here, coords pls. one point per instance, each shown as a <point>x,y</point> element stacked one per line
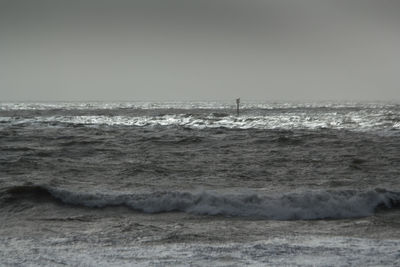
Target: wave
<point>288,206</point>
<point>357,121</point>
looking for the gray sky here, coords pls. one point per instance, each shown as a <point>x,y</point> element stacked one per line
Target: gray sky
<point>158,50</point>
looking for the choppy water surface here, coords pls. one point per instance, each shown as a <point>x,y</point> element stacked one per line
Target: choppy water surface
<point>192,183</point>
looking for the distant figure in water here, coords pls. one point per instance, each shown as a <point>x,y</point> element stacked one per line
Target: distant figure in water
<point>237,105</point>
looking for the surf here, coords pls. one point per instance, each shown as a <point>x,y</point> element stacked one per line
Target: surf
<point>307,205</point>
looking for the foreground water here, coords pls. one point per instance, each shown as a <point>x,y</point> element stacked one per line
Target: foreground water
<point>193,184</point>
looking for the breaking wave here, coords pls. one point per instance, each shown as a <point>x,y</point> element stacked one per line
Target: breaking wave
<point>288,206</point>
<point>350,121</point>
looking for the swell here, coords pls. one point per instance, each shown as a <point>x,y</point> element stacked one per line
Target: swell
<point>287,206</point>
<point>33,193</point>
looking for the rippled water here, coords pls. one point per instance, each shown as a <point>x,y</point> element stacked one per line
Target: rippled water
<point>192,183</point>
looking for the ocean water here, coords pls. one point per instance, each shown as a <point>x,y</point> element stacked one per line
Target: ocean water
<point>178,184</point>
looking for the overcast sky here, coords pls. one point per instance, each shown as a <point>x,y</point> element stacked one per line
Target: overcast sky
<point>282,50</point>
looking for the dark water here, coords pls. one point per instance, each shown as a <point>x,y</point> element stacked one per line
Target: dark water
<point>191,183</point>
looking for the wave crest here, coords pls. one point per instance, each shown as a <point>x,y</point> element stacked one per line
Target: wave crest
<point>288,206</point>
<point>356,121</point>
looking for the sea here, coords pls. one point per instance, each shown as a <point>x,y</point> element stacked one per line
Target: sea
<point>195,184</point>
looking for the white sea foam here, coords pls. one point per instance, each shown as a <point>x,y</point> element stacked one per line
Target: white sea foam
<point>350,116</point>
<point>357,121</point>
<point>288,206</point>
